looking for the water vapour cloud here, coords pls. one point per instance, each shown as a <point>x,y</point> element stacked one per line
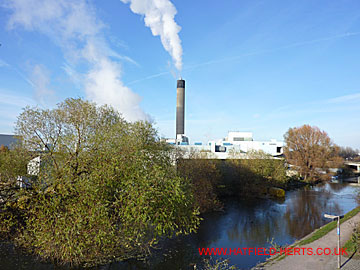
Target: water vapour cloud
<point>75,28</point>
<point>159,16</point>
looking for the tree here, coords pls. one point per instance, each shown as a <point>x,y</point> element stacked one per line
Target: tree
<point>311,151</point>
<point>106,187</point>
<point>348,152</point>
<point>12,165</point>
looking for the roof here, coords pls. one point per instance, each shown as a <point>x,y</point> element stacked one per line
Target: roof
<point>7,140</point>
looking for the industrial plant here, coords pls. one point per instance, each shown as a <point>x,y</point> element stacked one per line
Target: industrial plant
<point>234,142</point>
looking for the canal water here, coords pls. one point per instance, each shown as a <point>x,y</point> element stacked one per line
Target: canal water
<point>243,223</point>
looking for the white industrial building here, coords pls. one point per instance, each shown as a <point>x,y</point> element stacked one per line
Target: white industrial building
<point>236,142</point>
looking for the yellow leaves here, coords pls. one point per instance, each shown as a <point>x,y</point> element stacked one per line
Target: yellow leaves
<point>49,190</point>
<point>22,201</point>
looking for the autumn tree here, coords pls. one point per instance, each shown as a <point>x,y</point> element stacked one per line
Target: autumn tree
<point>311,151</point>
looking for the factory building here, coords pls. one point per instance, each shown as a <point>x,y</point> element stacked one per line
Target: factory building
<point>236,141</point>
<point>245,142</point>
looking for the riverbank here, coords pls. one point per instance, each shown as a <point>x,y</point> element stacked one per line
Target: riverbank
<point>317,262</point>
<point>244,222</point>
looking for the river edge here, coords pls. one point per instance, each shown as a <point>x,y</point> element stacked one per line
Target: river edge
<point>167,262</point>
<point>275,259</point>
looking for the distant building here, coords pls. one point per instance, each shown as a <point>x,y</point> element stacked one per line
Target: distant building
<point>7,140</point>
<point>236,137</point>
<point>246,143</point>
<point>235,142</point>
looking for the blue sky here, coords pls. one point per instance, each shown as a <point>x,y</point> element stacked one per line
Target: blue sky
<point>260,66</point>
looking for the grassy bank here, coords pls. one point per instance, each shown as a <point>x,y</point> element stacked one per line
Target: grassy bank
<point>351,245</point>
<point>327,228</point>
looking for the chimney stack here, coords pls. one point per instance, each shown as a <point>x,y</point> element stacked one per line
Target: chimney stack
<point>180,108</point>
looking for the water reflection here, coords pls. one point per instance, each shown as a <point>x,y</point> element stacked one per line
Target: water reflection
<point>305,210</point>
<point>244,223</point>
<point>254,223</point>
<point>251,225</point>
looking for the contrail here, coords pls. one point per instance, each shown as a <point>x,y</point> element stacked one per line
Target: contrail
<point>149,77</point>
<point>228,59</point>
<point>30,82</point>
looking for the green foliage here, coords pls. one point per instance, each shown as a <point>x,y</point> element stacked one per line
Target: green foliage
<point>244,174</point>
<point>210,264</point>
<point>12,164</point>
<point>254,171</point>
<point>264,165</point>
<point>205,176</point>
<point>10,221</point>
<point>353,244</point>
<point>106,188</point>
<point>356,238</point>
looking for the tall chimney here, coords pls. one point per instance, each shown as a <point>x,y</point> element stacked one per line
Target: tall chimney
<point>180,107</point>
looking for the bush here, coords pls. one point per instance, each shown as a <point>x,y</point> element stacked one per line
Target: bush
<point>254,172</point>
<point>210,264</point>
<point>205,176</point>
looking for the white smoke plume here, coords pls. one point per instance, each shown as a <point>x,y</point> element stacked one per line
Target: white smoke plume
<point>159,15</point>
<point>75,28</point>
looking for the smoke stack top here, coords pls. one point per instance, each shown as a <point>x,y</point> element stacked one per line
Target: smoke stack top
<point>181,83</point>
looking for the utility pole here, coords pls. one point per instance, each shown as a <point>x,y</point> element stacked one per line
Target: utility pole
<point>333,217</point>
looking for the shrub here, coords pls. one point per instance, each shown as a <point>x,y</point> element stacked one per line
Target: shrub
<point>254,171</point>
<point>205,176</point>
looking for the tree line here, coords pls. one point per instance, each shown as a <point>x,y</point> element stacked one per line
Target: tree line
<point>103,188</point>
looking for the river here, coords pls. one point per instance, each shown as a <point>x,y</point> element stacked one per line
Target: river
<point>243,223</point>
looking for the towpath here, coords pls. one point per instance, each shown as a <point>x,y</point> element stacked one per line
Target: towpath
<point>320,262</point>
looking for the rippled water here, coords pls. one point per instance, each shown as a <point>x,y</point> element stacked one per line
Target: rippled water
<point>243,223</point>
